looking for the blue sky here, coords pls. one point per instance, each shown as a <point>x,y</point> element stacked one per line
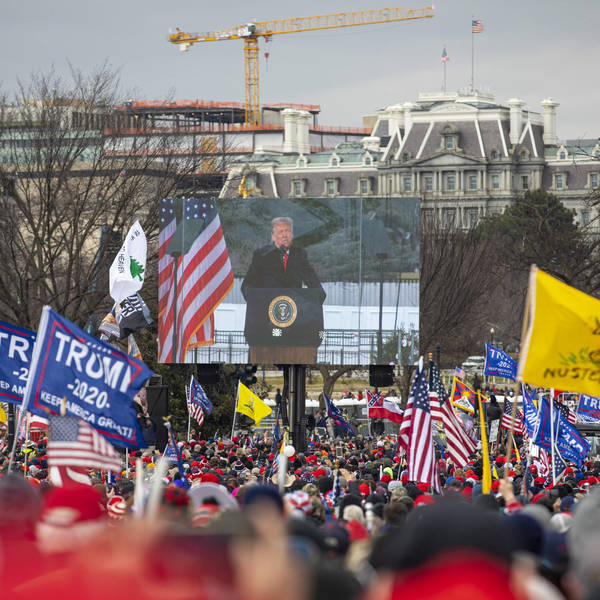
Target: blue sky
<point>532,50</point>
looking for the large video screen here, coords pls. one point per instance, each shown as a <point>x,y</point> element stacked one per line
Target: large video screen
<point>289,280</point>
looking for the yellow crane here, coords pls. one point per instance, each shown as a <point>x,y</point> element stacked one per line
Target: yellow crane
<point>250,32</point>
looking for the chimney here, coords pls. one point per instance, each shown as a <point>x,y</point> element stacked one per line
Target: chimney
<point>516,119</point>
<point>395,116</point>
<point>290,142</point>
<point>302,138</point>
<point>549,106</point>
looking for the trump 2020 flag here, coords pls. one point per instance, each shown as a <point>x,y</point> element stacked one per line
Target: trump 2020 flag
<point>561,348</point>
<point>499,364</point>
<point>588,410</point>
<point>128,269</point>
<point>16,348</point>
<point>93,380</point>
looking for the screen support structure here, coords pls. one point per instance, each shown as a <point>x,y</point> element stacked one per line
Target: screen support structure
<point>294,393</point>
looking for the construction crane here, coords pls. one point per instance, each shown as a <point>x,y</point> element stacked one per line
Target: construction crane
<point>250,32</point>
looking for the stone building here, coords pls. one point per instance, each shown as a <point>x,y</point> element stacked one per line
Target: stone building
<point>464,155</point>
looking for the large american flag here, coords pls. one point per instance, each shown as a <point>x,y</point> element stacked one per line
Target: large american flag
<point>507,418</point>
<point>415,435</point>
<point>476,26</point>
<point>204,276</point>
<point>459,445</point>
<point>73,443</point>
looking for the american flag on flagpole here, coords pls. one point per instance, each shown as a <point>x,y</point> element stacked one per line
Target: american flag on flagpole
<point>459,445</point>
<point>73,443</point>
<point>476,26</point>
<point>566,412</point>
<point>507,418</point>
<point>194,403</point>
<point>192,252</point>
<point>445,57</point>
<point>417,437</point>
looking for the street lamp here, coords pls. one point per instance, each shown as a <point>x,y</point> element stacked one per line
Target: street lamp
<point>381,256</point>
<point>492,331</point>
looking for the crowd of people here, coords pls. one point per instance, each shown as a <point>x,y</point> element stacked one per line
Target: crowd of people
<point>341,520</point>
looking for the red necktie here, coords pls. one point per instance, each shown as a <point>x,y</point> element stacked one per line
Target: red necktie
<point>285,256</point>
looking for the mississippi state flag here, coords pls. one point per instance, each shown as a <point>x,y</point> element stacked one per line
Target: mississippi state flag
<point>379,407</point>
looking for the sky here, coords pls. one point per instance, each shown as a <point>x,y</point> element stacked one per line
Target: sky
<point>529,49</point>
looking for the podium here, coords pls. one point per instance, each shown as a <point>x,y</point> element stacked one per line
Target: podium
<point>283,325</point>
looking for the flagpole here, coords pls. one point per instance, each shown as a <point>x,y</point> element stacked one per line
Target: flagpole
<point>472,56</point>
<point>486,480</point>
<point>237,399</point>
<point>552,434</point>
<point>127,462</point>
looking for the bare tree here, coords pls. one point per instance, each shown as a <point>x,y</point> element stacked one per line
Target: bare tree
<point>72,183</point>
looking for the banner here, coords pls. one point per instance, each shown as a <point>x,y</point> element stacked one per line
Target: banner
<point>249,404</point>
<point>132,315</point>
<point>569,442</point>
<point>16,348</point>
<point>126,275</point>
<point>499,364</point>
<point>588,410</point>
<point>95,381</point>
<point>561,348</point>
<point>530,413</point>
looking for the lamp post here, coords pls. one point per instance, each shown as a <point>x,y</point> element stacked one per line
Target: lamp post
<point>381,256</point>
<point>492,331</point>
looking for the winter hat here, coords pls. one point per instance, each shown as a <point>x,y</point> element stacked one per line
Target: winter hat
<point>116,507</point>
<point>299,501</point>
<point>424,500</point>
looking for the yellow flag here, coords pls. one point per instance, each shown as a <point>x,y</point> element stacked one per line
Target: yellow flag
<point>486,482</point>
<point>3,418</point>
<point>561,345</point>
<point>251,405</point>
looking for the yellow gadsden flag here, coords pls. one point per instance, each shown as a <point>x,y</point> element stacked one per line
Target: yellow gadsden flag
<point>561,345</point>
<point>251,405</point>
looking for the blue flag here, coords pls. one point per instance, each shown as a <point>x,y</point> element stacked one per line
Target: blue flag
<point>530,413</point>
<point>96,380</point>
<point>569,442</point>
<point>335,414</point>
<point>499,364</point>
<point>588,410</point>
<point>198,395</point>
<point>16,348</point>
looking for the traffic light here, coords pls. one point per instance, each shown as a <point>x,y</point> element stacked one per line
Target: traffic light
<point>249,376</point>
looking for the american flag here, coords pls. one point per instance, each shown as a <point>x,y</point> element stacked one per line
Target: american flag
<point>542,463</point>
<point>460,373</point>
<point>507,418</point>
<point>199,395</point>
<point>73,443</point>
<point>566,412</point>
<point>194,402</point>
<point>415,432</point>
<point>459,445</point>
<point>193,248</point>
<point>445,57</point>
<point>476,26</point>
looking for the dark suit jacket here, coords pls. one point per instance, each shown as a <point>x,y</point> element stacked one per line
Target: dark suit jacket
<point>266,271</point>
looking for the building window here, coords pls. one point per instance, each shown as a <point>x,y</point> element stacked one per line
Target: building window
<point>594,180</point>
<point>334,162</point>
<point>562,155</point>
<point>472,182</point>
<point>494,155</point>
<point>449,142</point>
<point>297,187</point>
<point>496,182</point>
<point>364,187</point>
<point>450,183</point>
<point>407,184</point>
<point>524,182</point>
<point>330,187</point>
<point>429,183</point>
<point>406,157</point>
<point>524,155</point>
<point>448,216</point>
<point>367,160</point>
<point>585,217</point>
<point>559,181</point>
<point>472,217</point>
